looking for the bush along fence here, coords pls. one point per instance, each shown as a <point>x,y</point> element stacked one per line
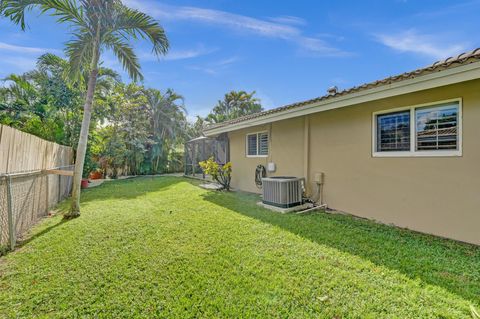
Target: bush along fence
<point>34,176</point>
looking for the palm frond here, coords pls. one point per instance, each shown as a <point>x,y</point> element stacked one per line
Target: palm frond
<point>125,53</point>
<point>64,10</point>
<point>109,73</point>
<point>49,60</point>
<point>20,84</point>
<point>79,51</point>
<point>137,24</point>
<point>16,9</point>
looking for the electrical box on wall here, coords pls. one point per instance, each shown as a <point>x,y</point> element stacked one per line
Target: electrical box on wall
<point>318,178</point>
<point>271,167</point>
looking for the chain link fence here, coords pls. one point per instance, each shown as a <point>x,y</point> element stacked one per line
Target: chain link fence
<point>25,197</point>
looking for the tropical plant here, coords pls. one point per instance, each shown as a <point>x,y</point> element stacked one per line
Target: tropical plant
<point>42,101</point>
<point>220,173</point>
<point>111,150</point>
<point>235,104</point>
<point>168,122</point>
<point>96,25</point>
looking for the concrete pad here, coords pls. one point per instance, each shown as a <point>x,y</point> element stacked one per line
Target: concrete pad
<point>212,186</point>
<point>285,210</point>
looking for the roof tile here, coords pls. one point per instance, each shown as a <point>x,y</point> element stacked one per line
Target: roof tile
<point>451,62</point>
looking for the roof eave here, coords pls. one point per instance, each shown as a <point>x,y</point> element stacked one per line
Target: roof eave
<point>441,78</point>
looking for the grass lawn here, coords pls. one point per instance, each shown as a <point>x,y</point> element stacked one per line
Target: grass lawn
<point>162,247</point>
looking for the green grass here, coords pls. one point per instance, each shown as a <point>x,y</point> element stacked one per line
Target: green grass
<point>162,247</point>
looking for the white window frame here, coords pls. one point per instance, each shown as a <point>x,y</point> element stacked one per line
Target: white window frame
<point>413,136</point>
<point>258,143</point>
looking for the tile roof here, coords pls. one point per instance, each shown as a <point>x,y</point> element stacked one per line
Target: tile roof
<point>440,132</point>
<point>452,62</point>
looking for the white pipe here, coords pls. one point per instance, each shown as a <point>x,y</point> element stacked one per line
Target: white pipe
<point>311,209</point>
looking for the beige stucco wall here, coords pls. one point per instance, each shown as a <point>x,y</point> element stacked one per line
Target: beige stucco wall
<point>286,151</point>
<point>437,195</point>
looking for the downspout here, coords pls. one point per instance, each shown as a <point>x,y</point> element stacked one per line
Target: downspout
<point>306,155</point>
<point>269,159</point>
<point>314,193</point>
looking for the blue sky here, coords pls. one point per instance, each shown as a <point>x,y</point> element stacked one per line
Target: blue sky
<point>287,51</point>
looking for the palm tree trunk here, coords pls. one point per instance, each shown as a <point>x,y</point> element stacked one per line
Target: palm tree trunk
<point>83,139</point>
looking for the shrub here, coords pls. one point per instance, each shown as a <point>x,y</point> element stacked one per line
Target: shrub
<point>220,173</point>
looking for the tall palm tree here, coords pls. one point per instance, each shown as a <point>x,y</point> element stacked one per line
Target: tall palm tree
<point>97,25</point>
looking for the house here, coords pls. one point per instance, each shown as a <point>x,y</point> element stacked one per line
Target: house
<point>404,150</point>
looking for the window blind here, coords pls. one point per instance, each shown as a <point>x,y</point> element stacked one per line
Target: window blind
<point>257,144</point>
<point>263,144</point>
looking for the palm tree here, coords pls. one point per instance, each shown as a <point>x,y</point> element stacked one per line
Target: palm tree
<point>235,104</point>
<point>166,112</point>
<point>97,25</point>
<point>19,97</point>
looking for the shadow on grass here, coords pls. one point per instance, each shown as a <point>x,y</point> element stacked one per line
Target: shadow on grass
<point>445,263</point>
<point>129,188</point>
<point>117,189</point>
<point>41,233</point>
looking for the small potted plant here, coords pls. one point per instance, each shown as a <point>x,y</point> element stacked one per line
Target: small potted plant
<point>96,174</point>
<point>84,183</point>
<point>89,166</point>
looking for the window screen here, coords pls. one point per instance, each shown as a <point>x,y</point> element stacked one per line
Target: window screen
<point>257,144</point>
<point>252,144</point>
<point>263,144</point>
<point>437,128</point>
<point>393,132</point>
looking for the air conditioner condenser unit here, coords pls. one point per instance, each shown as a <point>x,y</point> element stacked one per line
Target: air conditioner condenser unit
<point>283,191</point>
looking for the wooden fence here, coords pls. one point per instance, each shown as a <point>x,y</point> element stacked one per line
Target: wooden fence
<point>27,190</point>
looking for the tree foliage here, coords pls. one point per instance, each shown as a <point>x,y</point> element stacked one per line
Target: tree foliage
<point>234,104</point>
<point>134,130</point>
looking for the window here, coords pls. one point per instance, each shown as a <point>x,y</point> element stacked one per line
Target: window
<point>257,144</point>
<point>436,131</point>
<point>393,131</point>
<point>437,128</point>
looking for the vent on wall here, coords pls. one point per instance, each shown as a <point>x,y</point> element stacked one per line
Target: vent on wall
<point>283,191</point>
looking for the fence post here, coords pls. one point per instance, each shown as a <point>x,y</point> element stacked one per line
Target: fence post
<point>11,223</point>
<point>59,197</point>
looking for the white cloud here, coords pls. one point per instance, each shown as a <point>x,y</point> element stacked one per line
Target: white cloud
<point>204,69</point>
<point>27,50</point>
<point>228,61</point>
<point>283,28</point>
<point>216,67</point>
<point>174,54</point>
<point>424,44</point>
<point>289,20</point>
<point>317,47</point>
